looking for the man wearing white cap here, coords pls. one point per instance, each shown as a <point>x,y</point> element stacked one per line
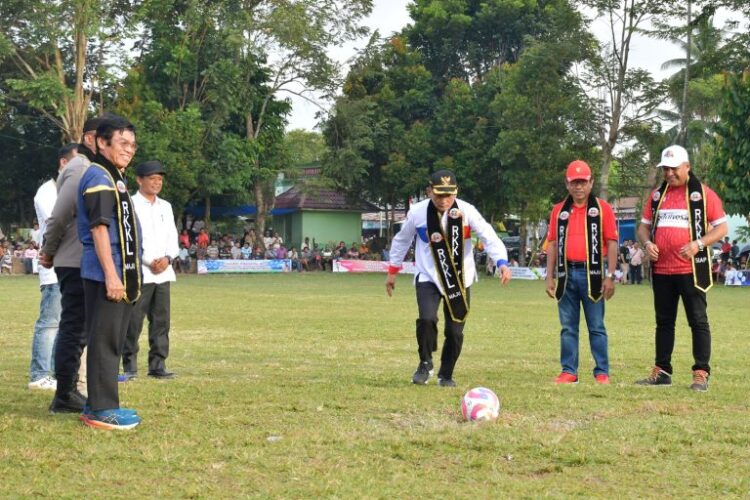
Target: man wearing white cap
<point>680,223</point>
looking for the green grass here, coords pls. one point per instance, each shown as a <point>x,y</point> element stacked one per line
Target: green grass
<point>298,386</point>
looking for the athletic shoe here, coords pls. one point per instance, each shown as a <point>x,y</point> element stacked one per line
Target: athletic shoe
<point>446,382</point>
<point>116,419</point>
<point>163,374</point>
<point>124,411</point>
<point>700,381</point>
<point>46,383</point>
<point>72,402</point>
<point>566,378</point>
<point>657,377</point>
<point>423,373</point>
<point>126,377</point>
<point>602,379</point>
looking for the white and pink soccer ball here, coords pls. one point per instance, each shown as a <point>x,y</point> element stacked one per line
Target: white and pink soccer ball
<point>480,404</point>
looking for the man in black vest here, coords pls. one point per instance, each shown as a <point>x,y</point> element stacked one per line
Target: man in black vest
<point>679,225</point>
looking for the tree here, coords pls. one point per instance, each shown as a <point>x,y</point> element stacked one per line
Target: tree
<point>304,147</point>
<point>730,172</point>
<point>627,97</point>
<point>63,53</point>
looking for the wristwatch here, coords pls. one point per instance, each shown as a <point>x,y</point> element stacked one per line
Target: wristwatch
<point>610,276</point>
<point>701,246</point>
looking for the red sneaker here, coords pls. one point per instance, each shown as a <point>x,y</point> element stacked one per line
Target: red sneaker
<point>566,378</point>
<point>602,379</point>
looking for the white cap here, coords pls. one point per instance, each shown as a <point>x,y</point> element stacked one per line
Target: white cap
<point>673,156</point>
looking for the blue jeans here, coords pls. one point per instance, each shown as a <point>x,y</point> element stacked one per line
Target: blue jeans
<point>569,308</point>
<point>45,333</point>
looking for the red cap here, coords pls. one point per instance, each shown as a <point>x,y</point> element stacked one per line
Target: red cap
<point>578,170</point>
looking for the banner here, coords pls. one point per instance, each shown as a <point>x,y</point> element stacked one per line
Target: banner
<point>737,277</point>
<point>369,266</point>
<point>528,273</point>
<point>244,266</point>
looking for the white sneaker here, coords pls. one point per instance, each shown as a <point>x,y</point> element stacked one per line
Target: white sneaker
<point>45,384</point>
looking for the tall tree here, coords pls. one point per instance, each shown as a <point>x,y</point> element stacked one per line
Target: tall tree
<point>63,52</point>
<point>629,96</point>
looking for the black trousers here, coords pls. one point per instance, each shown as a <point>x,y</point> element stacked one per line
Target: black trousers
<point>71,336</point>
<point>668,289</point>
<point>106,326</point>
<point>154,305</point>
<point>428,301</point>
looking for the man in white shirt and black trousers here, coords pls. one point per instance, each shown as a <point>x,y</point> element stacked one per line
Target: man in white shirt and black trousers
<point>160,248</point>
<point>444,260</point>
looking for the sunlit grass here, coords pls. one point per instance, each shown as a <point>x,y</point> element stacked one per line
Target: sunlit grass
<point>299,386</point>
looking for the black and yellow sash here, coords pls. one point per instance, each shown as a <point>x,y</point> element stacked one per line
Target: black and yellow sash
<point>594,247</point>
<point>128,230</point>
<point>695,198</point>
<point>448,251</point>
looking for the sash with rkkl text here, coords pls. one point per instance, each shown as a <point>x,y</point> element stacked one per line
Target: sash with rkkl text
<point>448,252</point>
<point>128,231</point>
<point>695,199</point>
<point>594,247</point>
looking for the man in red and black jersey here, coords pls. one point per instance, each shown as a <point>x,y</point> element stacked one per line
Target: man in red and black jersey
<point>680,223</point>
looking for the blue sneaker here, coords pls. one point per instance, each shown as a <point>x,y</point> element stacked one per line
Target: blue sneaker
<point>124,411</point>
<point>110,419</point>
<point>126,377</point>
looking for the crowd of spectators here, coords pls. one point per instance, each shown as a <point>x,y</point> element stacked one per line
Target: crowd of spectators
<point>308,256</point>
<point>19,250</point>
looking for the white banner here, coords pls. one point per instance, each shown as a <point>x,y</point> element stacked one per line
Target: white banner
<point>244,266</point>
<point>369,266</point>
<point>528,273</point>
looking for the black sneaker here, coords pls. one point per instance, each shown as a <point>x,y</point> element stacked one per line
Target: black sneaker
<point>73,402</point>
<point>700,381</point>
<point>423,373</point>
<point>657,377</point>
<point>446,382</point>
<point>162,374</point>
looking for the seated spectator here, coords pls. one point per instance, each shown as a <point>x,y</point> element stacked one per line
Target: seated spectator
<point>340,251</point>
<point>29,254</point>
<point>184,238</point>
<point>353,252</point>
<point>327,258</point>
<point>294,257</point>
<point>246,251</point>
<point>277,242</point>
<point>281,252</point>
<point>203,239</point>
<point>305,258</point>
<point>732,277</point>
<point>236,251</point>
<point>183,259</point>
<point>364,252</point>
<point>270,253</point>
<point>257,253</point>
<point>317,258</point>
<point>386,255</point>
<point>212,252</point>
<point>6,259</point>
<point>225,251</point>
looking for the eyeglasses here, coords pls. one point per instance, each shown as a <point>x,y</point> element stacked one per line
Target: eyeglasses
<point>128,145</point>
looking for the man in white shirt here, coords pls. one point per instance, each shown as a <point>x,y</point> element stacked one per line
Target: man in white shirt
<point>445,267</point>
<point>160,247</point>
<point>42,365</point>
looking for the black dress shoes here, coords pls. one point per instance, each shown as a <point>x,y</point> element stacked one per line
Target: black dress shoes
<point>162,374</point>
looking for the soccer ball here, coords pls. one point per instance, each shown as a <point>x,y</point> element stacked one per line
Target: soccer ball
<point>480,404</point>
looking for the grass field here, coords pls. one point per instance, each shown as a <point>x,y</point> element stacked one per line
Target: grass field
<point>298,386</point>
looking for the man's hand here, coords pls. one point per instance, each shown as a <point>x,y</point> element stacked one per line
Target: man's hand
<point>159,265</point>
<point>390,284</point>
<point>550,286</point>
<point>689,250</point>
<point>115,289</point>
<point>505,275</point>
<point>608,288</point>
<point>653,251</point>
<point>45,261</point>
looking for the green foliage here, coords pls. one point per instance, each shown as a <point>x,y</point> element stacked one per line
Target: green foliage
<point>304,147</point>
<point>730,172</point>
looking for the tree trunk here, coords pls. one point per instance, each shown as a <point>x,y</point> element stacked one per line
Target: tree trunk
<point>207,214</point>
<point>522,234</point>
<point>684,118</point>
<point>260,205</point>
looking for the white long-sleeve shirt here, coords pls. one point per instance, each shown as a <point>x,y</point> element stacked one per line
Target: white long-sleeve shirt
<point>416,225</point>
<point>158,235</point>
<point>44,202</point>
